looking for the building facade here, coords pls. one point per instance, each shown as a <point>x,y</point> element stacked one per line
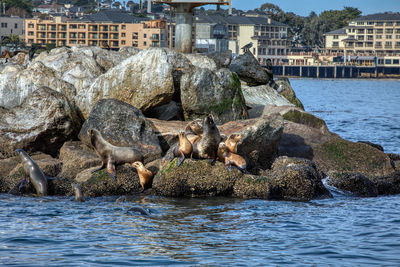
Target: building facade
<point>268,37</point>
<point>113,29</point>
<point>211,37</point>
<point>375,34</point>
<point>12,26</point>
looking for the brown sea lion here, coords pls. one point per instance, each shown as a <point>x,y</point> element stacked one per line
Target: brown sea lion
<point>194,130</point>
<point>145,176</point>
<point>231,159</point>
<point>207,146</point>
<point>78,192</point>
<point>36,176</point>
<point>232,141</point>
<point>184,149</point>
<point>111,155</point>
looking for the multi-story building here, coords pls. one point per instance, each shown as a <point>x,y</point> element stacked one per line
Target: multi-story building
<point>377,34</point>
<point>268,37</point>
<point>12,26</point>
<point>211,37</point>
<point>110,28</point>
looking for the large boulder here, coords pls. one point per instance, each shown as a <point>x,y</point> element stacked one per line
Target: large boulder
<point>122,125</point>
<point>261,138</point>
<point>75,66</point>
<point>43,122</point>
<point>249,69</point>
<point>355,183</point>
<point>36,75</point>
<point>222,59</point>
<point>145,80</point>
<point>195,179</point>
<point>219,93</point>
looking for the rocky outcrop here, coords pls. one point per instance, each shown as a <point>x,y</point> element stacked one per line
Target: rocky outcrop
<point>43,122</point>
<point>261,138</point>
<point>222,59</point>
<point>204,92</point>
<point>195,179</point>
<point>355,183</point>
<point>26,81</point>
<point>249,70</point>
<point>144,80</point>
<point>287,92</point>
<point>122,125</point>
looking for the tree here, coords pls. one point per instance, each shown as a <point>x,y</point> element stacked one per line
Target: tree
<point>14,41</point>
<point>22,4</point>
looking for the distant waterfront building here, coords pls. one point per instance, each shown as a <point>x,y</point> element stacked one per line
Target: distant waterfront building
<point>376,34</point>
<point>211,37</point>
<point>12,26</point>
<point>269,37</point>
<point>110,28</point>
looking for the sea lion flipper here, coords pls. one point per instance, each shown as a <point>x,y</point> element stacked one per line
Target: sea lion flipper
<point>111,170</point>
<point>181,159</point>
<point>100,168</point>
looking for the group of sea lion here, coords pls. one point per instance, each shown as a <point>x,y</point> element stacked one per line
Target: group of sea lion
<point>202,140</point>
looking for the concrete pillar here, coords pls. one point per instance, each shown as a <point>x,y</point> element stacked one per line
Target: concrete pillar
<point>335,72</point>
<point>318,71</point>
<point>183,29</point>
<point>283,70</point>
<point>148,6</point>
<point>301,71</point>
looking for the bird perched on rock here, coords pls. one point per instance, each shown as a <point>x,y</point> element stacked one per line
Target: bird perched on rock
<point>247,47</point>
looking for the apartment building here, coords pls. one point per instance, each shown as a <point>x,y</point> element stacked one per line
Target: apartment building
<point>12,26</point>
<point>109,28</point>
<point>211,37</point>
<point>377,34</point>
<point>269,37</point>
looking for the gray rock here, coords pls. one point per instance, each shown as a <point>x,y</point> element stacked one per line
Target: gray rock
<point>204,92</point>
<point>170,111</point>
<point>249,69</point>
<point>43,122</point>
<point>222,59</point>
<point>353,182</point>
<point>122,125</point>
<point>263,95</point>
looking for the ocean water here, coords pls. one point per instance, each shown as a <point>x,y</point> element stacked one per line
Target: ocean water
<point>343,231</point>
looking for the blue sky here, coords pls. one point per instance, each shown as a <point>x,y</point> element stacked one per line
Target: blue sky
<point>304,7</point>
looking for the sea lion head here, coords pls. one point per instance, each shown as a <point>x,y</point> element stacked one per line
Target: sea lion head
<point>138,165</point>
<point>208,123</point>
<point>235,137</point>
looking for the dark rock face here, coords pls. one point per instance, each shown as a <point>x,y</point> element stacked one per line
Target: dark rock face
<point>388,185</point>
<point>122,125</point>
<point>167,112</point>
<point>195,179</point>
<point>43,122</point>
<point>353,182</point>
<point>251,186</point>
<point>249,69</point>
<point>222,59</point>
<point>260,140</point>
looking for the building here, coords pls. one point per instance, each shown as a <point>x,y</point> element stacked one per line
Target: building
<point>12,26</point>
<point>375,34</point>
<point>211,37</point>
<point>109,28</point>
<point>269,37</point>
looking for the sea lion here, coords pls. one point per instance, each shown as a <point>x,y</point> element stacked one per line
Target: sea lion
<point>78,192</point>
<point>207,146</point>
<point>232,141</point>
<point>141,210</point>
<point>145,176</point>
<point>184,149</point>
<point>36,176</point>
<point>111,155</point>
<point>231,159</point>
<point>194,130</point>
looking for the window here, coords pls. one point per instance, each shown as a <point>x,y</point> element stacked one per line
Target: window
<point>123,42</point>
<point>370,37</point>
<point>397,36</point>
<point>336,37</point>
<point>388,37</point>
<point>395,61</point>
<point>144,35</point>
<point>4,24</point>
<point>144,43</point>
<point>388,43</point>
<point>370,31</point>
<point>360,23</point>
<point>397,30</point>
<point>360,31</point>
<point>360,37</point>
<point>379,37</point>
<point>73,26</point>
<point>378,44</point>
<point>123,34</point>
<point>379,24</point>
<point>30,26</point>
<point>370,23</point>
<point>335,44</point>
<point>389,31</point>
<point>123,27</point>
<point>16,26</point>
<point>379,31</point>
<point>389,23</point>
<point>388,61</point>
<point>30,33</point>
